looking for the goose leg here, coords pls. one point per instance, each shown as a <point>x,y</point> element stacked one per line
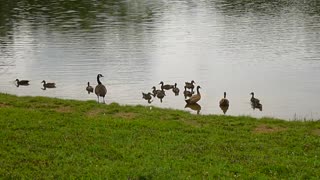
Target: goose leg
<point>104,101</point>
<point>98,99</point>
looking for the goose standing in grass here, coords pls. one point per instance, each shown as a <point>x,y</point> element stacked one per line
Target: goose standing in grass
<point>89,88</point>
<point>22,82</point>
<point>195,98</point>
<point>175,89</point>
<point>224,101</point>
<point>48,85</point>
<point>166,87</point>
<point>187,93</point>
<point>190,85</point>
<point>100,89</point>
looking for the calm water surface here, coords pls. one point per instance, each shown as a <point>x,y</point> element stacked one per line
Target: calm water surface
<point>271,48</point>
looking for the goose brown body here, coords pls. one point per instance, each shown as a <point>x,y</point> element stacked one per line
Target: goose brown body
<point>100,90</point>
<point>190,85</point>
<point>224,101</point>
<point>195,98</point>
<point>89,88</point>
<point>22,82</point>
<point>175,89</point>
<point>166,87</point>
<point>48,85</point>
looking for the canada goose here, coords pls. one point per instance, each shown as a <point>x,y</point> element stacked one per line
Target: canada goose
<point>195,107</point>
<point>224,109</point>
<point>48,85</point>
<point>255,103</point>
<point>100,89</point>
<point>161,94</point>
<point>146,96</point>
<point>166,87</point>
<point>253,99</point>
<point>175,89</point>
<point>155,91</point>
<point>190,85</point>
<point>224,101</point>
<point>89,88</point>
<point>187,93</point>
<point>22,82</point>
<point>195,98</point>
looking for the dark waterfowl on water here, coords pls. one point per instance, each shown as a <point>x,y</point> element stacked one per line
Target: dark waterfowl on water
<point>161,94</point>
<point>190,85</point>
<point>166,87</point>
<point>194,98</point>
<point>224,101</point>
<point>175,89</point>
<point>48,84</point>
<point>22,82</point>
<point>155,91</point>
<point>147,96</point>
<point>100,89</point>
<point>89,88</point>
<point>187,93</point>
<point>255,103</point>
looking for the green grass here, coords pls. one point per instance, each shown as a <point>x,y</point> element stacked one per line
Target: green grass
<point>53,138</point>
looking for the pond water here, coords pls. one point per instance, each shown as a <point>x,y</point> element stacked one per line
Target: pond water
<point>271,48</point>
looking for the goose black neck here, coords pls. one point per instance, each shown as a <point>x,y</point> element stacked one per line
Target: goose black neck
<point>224,95</point>
<point>198,90</point>
<point>98,80</point>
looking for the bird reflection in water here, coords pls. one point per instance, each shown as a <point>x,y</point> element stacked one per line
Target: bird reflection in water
<point>196,107</point>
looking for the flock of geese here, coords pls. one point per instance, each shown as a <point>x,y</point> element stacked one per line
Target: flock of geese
<point>191,98</point>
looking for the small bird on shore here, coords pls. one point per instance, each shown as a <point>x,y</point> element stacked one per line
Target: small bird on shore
<point>147,96</point>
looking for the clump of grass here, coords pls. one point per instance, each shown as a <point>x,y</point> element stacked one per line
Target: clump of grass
<point>53,138</point>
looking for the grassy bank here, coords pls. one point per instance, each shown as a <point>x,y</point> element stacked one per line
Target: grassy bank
<point>52,138</point>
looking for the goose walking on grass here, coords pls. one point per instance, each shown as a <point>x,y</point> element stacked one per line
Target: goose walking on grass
<point>22,82</point>
<point>100,89</point>
<point>48,84</point>
<point>166,87</point>
<point>175,89</point>
<point>89,88</point>
<point>195,98</point>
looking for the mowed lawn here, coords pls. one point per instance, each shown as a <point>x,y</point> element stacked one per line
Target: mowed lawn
<point>53,138</point>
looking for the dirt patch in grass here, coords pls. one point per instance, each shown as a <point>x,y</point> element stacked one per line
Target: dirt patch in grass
<point>316,132</point>
<point>94,112</point>
<point>125,115</point>
<point>4,105</point>
<point>263,128</point>
<point>64,109</point>
<point>193,123</point>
